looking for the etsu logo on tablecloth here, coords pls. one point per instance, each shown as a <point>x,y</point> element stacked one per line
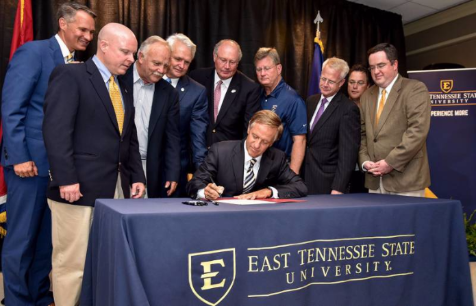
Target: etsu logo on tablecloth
<point>446,85</point>
<point>211,274</point>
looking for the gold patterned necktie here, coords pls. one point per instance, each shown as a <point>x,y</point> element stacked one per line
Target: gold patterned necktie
<point>69,58</point>
<point>381,104</point>
<point>116,99</point>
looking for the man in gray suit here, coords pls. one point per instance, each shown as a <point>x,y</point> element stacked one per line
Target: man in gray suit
<point>395,124</point>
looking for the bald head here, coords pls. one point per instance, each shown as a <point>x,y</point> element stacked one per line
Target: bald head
<point>226,55</point>
<point>116,47</point>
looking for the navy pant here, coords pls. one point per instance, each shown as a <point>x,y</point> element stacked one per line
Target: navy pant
<point>27,247</point>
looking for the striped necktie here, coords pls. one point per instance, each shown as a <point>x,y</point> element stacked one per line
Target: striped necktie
<point>250,177</point>
<point>69,58</point>
<point>116,99</point>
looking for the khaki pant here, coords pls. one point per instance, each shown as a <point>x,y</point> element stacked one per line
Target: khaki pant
<point>415,193</point>
<point>70,235</point>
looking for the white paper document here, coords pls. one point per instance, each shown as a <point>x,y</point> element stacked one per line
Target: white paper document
<point>244,202</point>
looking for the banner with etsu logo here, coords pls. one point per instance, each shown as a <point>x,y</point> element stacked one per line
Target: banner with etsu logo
<point>452,139</point>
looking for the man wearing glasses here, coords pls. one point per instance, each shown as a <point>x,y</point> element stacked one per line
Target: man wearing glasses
<point>280,98</point>
<point>395,124</point>
<point>233,98</point>
<point>333,138</point>
<point>358,82</point>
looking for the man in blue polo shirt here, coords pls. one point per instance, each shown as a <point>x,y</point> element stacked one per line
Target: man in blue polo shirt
<point>280,98</point>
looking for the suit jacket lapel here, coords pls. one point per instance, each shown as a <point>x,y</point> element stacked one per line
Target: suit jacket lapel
<point>230,95</point>
<point>128,104</point>
<point>265,166</point>
<point>238,164</point>
<point>157,105</point>
<point>211,89</point>
<point>389,103</point>
<point>373,103</point>
<point>310,112</point>
<point>327,113</point>
<point>56,54</point>
<point>182,87</point>
<point>101,89</point>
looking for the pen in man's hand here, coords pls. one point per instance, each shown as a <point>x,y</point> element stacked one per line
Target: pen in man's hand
<point>213,182</point>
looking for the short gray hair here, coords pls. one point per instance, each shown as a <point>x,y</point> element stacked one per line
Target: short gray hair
<point>68,11</point>
<point>215,50</point>
<point>337,64</point>
<point>144,47</point>
<point>184,39</point>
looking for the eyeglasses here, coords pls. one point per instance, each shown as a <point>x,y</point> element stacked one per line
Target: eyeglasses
<point>266,69</point>
<point>230,62</point>
<point>379,66</point>
<point>330,82</point>
<point>359,83</point>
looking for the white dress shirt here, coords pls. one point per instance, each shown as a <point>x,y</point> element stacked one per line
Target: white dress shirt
<point>173,81</point>
<point>64,50</point>
<point>143,98</point>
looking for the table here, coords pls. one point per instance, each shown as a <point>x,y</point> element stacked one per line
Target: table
<point>362,249</point>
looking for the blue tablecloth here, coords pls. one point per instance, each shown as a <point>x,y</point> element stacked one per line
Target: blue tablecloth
<point>344,250</point>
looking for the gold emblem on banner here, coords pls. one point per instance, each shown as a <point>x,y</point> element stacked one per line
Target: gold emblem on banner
<point>211,274</point>
<point>446,85</point>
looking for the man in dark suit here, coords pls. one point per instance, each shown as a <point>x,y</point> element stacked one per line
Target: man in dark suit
<point>92,147</point>
<point>233,98</point>
<point>250,168</point>
<point>157,117</point>
<point>333,138</point>
<point>357,84</point>
<point>27,248</point>
<point>193,108</point>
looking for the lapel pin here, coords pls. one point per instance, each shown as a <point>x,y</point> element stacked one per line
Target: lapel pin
<point>182,89</point>
<point>233,90</point>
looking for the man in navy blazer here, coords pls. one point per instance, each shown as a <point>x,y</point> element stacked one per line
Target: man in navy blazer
<point>333,138</point>
<point>233,98</point>
<point>157,117</point>
<point>193,108</point>
<point>91,141</point>
<point>27,248</point>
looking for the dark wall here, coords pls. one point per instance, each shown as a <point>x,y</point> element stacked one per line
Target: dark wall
<point>349,29</point>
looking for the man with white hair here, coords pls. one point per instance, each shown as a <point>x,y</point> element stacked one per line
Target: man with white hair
<point>193,108</point>
<point>333,138</point>
<point>157,117</point>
